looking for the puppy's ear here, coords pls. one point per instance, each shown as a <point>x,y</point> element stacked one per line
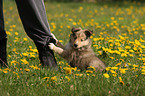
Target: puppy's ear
<point>88,33</point>
<point>74,30</point>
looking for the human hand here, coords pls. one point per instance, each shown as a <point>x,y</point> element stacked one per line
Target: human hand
<point>51,46</point>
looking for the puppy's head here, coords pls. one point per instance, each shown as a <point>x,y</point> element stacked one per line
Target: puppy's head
<point>80,38</point>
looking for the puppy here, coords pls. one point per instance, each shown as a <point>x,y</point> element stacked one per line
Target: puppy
<point>78,51</point>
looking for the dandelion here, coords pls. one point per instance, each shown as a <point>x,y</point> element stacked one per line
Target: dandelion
<point>16,33</point>
<point>114,68</point>
<point>53,78</point>
<point>79,75</point>
<point>121,82</point>
<point>9,56</point>
<point>30,47</point>
<point>74,68</point>
<point>74,23</point>
<point>143,73</point>
<point>24,61</point>
<point>91,67</point>
<point>14,50</point>
<point>46,78</point>
<point>112,18</point>
<point>135,65</point>
<point>25,54</point>
<point>112,57</point>
<point>32,56</point>
<point>8,33</point>
<point>27,70</point>
<point>106,75</point>
<point>60,41</point>
<point>107,68</point>
<point>16,74</point>
<point>100,52</point>
<point>123,71</point>
<point>67,78</point>
<point>5,71</point>
<point>88,71</point>
<point>114,75</point>
<point>70,19</point>
<point>67,70</point>
<point>112,71</point>
<point>68,26</point>
<point>34,50</point>
<point>25,39</point>
<point>127,47</point>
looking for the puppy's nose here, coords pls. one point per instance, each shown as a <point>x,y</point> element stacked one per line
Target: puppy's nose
<point>75,45</point>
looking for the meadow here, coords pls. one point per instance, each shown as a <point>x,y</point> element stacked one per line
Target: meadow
<point>118,40</point>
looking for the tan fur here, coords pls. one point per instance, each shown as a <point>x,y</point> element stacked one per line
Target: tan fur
<point>82,55</point>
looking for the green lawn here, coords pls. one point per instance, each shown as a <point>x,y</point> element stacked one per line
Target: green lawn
<point>118,40</point>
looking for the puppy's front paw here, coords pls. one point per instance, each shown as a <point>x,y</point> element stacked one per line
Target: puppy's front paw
<point>54,37</point>
<point>51,46</point>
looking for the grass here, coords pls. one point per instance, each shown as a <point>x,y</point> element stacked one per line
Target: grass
<point>118,40</point>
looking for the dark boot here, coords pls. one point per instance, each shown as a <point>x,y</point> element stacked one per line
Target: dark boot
<point>46,55</point>
<point>3,52</point>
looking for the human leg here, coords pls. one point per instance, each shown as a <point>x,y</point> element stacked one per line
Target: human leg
<point>33,16</point>
<point>3,39</point>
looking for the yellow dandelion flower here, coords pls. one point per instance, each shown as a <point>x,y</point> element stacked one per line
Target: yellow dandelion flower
<point>74,68</point>
<point>70,19</point>
<point>127,47</point>
<point>114,75</point>
<point>46,78</point>
<point>9,56</point>
<point>74,23</point>
<point>143,71</point>
<point>88,71</point>
<point>25,54</point>
<point>27,70</point>
<point>10,29</point>
<point>91,67</point>
<point>112,57</point>
<point>106,75</point>
<point>16,33</point>
<point>53,78</point>
<point>120,78</point>
<point>25,39</point>
<point>100,52</point>
<point>14,50</point>
<point>135,65</point>
<point>121,82</point>
<point>67,78</point>
<point>8,33</point>
<point>68,26</point>
<point>123,71</point>
<point>123,55</point>
<point>107,68</point>
<point>112,71</point>
<point>112,18</point>
<point>5,71</point>
<point>79,75</point>
<point>30,47</point>
<point>24,61</point>
<point>88,74</point>
<point>114,68</point>
<point>67,70</point>
<point>61,41</point>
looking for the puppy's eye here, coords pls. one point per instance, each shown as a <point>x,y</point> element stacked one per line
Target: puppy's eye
<point>82,40</point>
